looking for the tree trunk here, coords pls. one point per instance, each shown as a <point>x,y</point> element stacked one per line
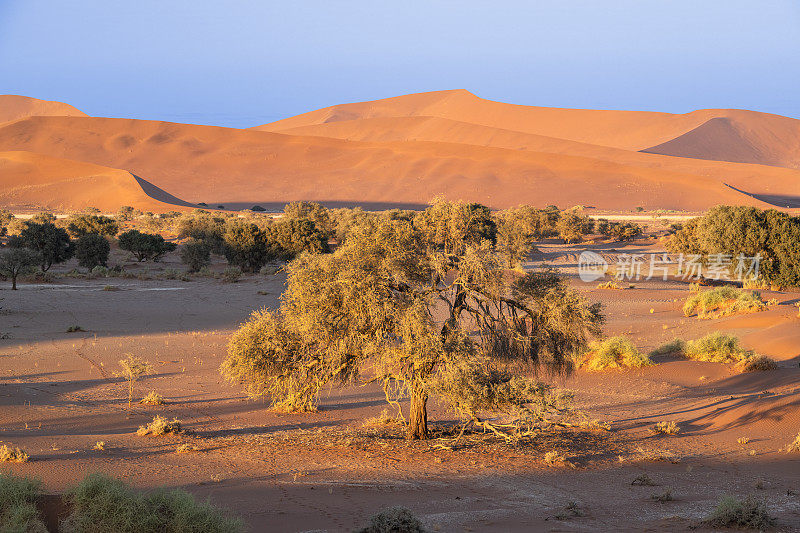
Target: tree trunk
<point>418,417</point>
<point>14,282</point>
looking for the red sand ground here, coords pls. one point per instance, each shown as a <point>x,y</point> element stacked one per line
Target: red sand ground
<point>323,471</point>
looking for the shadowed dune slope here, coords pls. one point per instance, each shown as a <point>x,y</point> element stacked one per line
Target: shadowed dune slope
<point>223,165</point>
<point>35,181</point>
<point>742,137</point>
<point>13,107</point>
<point>751,137</point>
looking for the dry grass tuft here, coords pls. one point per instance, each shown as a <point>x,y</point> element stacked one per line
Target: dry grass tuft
<point>749,513</point>
<point>613,285</point>
<point>664,497</point>
<point>673,346</point>
<point>718,347</point>
<point>384,420</point>
<point>743,440</point>
<point>794,446</point>
<point>152,398</point>
<point>643,480</point>
<point>186,448</point>
<point>666,428</point>
<point>723,301</point>
<point>393,520</point>
<point>571,510</point>
<point>757,363</point>
<point>12,455</point>
<point>614,352</point>
<point>160,426</point>
<point>100,445</point>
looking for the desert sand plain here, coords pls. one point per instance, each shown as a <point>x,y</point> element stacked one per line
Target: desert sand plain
<point>327,471</point>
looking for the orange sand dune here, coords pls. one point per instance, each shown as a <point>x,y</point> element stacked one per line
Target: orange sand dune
<point>13,107</point>
<point>34,181</point>
<point>390,129</point>
<point>740,136</point>
<point>753,137</point>
<point>223,165</point>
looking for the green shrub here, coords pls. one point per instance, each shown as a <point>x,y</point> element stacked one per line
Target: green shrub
<point>247,246</point>
<point>205,228</point>
<point>92,251</point>
<point>18,512</point>
<point>749,513</point>
<point>15,262</point>
<point>723,301</point>
<point>615,352</point>
<point>102,504</point>
<point>717,347</point>
<point>80,225</point>
<point>291,236</point>
<point>51,243</point>
<point>231,274</point>
<point>145,246</point>
<point>673,346</point>
<point>748,231</point>
<point>757,363</point>
<point>572,227</point>
<point>620,231</point>
<point>394,520</point>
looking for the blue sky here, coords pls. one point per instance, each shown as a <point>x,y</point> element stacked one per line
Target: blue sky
<point>241,63</point>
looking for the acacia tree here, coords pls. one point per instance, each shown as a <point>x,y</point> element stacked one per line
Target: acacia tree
<point>16,261</point>
<point>52,244</point>
<point>428,305</point>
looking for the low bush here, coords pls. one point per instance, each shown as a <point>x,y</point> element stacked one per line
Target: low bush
<point>81,225</point>
<point>757,363</point>
<point>196,255</point>
<point>748,513</point>
<point>91,251</point>
<point>666,428</point>
<point>794,446</point>
<point>145,246</point>
<point>673,346</point>
<point>12,455</point>
<point>723,301</point>
<point>717,347</point>
<point>394,520</point>
<point>231,274</point>
<point>100,503</point>
<point>615,352</point>
<point>18,512</point>
<point>152,398</point>
<point>160,426</point>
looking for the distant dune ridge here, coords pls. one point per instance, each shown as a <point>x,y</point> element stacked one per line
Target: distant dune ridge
<point>13,107</point>
<point>412,148</point>
<point>36,181</point>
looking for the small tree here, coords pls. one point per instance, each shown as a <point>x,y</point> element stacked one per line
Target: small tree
<point>80,225</point>
<point>52,244</point>
<point>196,255</point>
<point>132,369</point>
<point>145,246</point>
<point>16,261</point>
<point>247,246</point>
<point>293,236</point>
<point>377,299</point>
<point>572,227</point>
<point>92,250</point>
